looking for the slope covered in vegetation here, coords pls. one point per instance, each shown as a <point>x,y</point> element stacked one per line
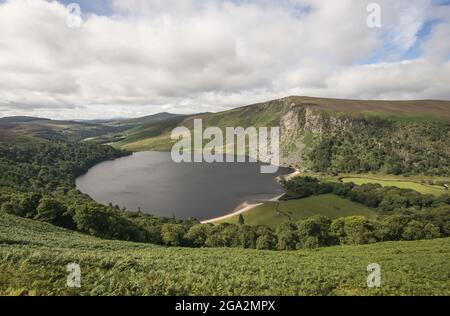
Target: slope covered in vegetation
<point>34,258</point>
<point>275,213</point>
<point>335,136</point>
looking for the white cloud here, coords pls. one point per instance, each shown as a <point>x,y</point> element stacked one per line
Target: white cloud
<point>193,56</point>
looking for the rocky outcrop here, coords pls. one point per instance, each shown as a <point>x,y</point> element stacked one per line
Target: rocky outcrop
<point>302,124</point>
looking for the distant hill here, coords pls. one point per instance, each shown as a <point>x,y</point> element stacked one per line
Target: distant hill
<point>21,119</point>
<point>428,108</point>
<point>24,128</point>
<point>138,120</point>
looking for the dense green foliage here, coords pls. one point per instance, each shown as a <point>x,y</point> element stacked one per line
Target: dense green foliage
<point>383,145</point>
<point>43,167</point>
<point>38,183</point>
<point>34,257</point>
<point>384,199</point>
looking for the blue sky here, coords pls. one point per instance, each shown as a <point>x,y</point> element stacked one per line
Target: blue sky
<point>100,7</point>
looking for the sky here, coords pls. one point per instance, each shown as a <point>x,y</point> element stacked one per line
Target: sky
<point>128,58</point>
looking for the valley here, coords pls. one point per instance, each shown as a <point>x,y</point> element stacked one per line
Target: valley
<point>370,187</point>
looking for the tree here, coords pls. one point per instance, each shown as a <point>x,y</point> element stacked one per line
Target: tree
<point>173,234</point>
<point>359,230</point>
<point>52,211</point>
<point>308,242</point>
<point>29,204</point>
<point>248,236</point>
<point>314,232</point>
<point>416,230</point>
<point>197,235</point>
<point>231,236</point>
<point>391,227</point>
<point>266,239</point>
<point>431,231</point>
<point>354,230</point>
<point>94,220</point>
<point>241,220</point>
<point>286,236</point>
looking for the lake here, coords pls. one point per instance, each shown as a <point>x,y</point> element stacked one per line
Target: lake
<point>152,182</point>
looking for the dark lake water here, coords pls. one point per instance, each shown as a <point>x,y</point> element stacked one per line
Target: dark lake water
<point>152,182</point>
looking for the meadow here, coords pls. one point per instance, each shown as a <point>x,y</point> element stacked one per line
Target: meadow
<point>419,187</point>
<point>272,214</point>
<point>34,256</point>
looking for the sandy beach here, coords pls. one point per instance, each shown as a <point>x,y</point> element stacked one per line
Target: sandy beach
<point>245,207</point>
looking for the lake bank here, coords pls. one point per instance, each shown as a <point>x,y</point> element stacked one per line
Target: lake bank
<point>245,207</point>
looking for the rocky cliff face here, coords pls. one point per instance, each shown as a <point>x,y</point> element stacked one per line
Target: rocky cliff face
<point>301,124</point>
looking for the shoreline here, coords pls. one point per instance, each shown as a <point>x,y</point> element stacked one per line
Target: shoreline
<point>245,206</point>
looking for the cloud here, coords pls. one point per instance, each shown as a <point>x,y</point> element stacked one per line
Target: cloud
<point>194,56</point>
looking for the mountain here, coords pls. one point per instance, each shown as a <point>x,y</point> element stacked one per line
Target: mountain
<point>323,135</point>
<point>136,121</point>
<point>24,128</point>
<point>336,136</point>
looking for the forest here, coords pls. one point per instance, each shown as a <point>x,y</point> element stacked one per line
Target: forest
<point>387,146</point>
<point>38,182</point>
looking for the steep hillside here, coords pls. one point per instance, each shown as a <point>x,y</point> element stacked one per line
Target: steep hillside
<point>338,136</point>
<point>34,256</point>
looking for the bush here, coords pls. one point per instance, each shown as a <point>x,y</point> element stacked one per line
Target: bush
<point>416,230</point>
<point>197,235</point>
<point>286,236</point>
<point>354,230</point>
<point>173,234</point>
<point>52,211</point>
<point>266,239</point>
<point>317,227</point>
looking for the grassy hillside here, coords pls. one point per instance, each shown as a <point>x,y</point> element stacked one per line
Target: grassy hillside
<point>38,129</point>
<point>158,137</point>
<point>269,114</point>
<point>22,128</point>
<point>273,214</point>
<point>415,110</point>
<point>33,259</point>
<point>154,135</point>
<point>336,136</point>
<point>419,187</point>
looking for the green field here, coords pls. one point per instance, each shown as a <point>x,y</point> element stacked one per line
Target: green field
<point>273,214</point>
<point>421,188</point>
<point>34,255</point>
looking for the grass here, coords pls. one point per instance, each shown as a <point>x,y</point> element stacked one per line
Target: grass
<point>415,110</point>
<point>34,256</point>
<point>419,187</point>
<point>273,214</point>
<point>157,136</point>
